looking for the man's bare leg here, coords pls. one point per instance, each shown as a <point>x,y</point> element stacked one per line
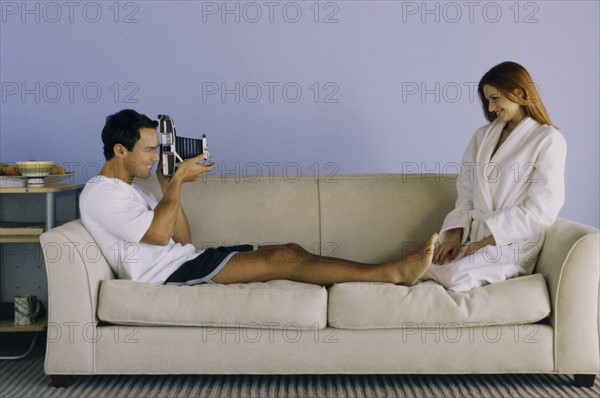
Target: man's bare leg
<point>294,263</point>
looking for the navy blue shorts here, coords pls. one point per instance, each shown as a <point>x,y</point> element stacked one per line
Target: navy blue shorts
<point>204,267</point>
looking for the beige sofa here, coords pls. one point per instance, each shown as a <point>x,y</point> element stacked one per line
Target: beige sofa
<point>547,322</point>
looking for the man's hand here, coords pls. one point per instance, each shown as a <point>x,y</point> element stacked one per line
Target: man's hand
<point>190,170</point>
<point>163,180</point>
<point>196,170</point>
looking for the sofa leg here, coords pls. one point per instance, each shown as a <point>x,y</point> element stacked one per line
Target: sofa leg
<point>584,380</point>
<point>62,380</point>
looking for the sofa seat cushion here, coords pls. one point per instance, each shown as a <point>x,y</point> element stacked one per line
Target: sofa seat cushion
<point>520,300</point>
<point>274,305</point>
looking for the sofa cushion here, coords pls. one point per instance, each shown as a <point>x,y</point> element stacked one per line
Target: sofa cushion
<point>274,305</point>
<point>520,300</point>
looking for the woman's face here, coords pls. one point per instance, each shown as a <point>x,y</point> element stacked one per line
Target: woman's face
<point>505,109</point>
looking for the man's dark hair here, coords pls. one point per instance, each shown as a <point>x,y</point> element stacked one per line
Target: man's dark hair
<point>124,128</point>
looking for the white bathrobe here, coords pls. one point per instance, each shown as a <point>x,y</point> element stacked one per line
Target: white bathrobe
<point>514,196</point>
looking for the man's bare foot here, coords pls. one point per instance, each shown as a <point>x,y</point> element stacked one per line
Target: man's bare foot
<point>408,270</point>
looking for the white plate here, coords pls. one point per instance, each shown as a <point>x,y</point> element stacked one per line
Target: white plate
<point>21,181</point>
<point>59,178</point>
<point>12,181</point>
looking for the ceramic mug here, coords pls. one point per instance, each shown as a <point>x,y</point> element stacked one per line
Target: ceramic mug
<point>27,309</point>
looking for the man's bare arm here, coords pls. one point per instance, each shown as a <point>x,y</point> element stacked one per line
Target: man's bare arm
<point>169,219</point>
<point>182,233</point>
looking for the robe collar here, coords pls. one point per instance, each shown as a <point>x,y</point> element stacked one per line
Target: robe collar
<point>492,136</point>
<point>484,154</point>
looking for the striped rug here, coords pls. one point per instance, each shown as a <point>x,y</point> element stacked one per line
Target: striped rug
<point>26,378</point>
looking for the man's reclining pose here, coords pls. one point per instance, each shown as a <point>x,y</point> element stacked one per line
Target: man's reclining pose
<point>150,241</point>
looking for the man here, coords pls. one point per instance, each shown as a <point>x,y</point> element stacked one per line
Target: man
<point>150,241</point>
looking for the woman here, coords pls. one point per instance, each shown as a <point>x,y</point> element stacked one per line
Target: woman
<point>510,190</point>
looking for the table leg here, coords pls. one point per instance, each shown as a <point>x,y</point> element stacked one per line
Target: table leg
<point>50,208</point>
<point>31,345</point>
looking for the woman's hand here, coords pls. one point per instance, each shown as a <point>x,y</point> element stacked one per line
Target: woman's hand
<point>473,247</point>
<point>448,250</point>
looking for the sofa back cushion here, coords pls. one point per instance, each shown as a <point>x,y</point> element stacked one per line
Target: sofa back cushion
<point>368,218</point>
<point>379,218</point>
<point>227,210</point>
<point>522,300</point>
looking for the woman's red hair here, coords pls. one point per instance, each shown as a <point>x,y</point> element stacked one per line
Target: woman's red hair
<point>514,82</point>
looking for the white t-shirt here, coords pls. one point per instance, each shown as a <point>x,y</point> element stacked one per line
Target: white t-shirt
<point>117,215</point>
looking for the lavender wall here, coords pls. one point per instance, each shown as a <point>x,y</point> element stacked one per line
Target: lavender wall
<point>296,87</point>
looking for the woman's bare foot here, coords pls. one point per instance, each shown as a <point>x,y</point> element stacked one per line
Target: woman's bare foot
<point>408,270</point>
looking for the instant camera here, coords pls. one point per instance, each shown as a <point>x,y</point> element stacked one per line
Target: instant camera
<point>175,149</point>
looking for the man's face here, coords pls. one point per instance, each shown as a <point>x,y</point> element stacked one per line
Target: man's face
<point>139,162</point>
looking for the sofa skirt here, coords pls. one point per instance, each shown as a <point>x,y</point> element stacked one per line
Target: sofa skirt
<point>194,350</point>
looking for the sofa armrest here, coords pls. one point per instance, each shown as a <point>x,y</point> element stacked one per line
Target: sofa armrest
<point>570,262</point>
<point>74,266</point>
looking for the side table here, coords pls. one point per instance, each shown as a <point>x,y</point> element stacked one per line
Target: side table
<point>51,192</point>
